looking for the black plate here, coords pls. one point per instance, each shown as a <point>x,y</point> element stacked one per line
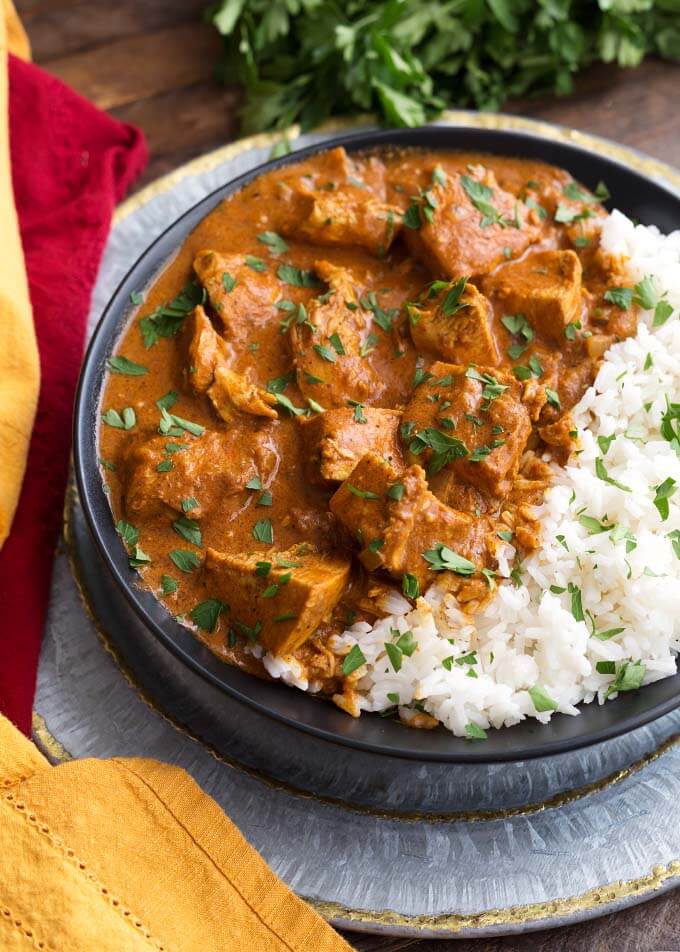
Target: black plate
<point>636,195</point>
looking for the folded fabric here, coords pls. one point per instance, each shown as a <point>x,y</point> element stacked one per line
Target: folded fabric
<point>113,855</point>
<point>70,164</point>
<point>19,370</point>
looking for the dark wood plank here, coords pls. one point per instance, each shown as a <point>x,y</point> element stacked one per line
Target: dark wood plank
<point>183,123</point>
<point>632,106</point>
<point>137,67</point>
<point>58,28</point>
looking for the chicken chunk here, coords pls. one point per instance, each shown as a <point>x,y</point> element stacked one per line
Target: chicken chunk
<point>210,467</point>
<point>471,420</point>
<point>208,372</point>
<point>336,440</point>
<point>340,207</point>
<point>468,226</point>
<point>327,347</point>
<point>455,325</point>
<point>242,296</point>
<point>545,287</point>
<point>277,598</point>
<point>401,525</point>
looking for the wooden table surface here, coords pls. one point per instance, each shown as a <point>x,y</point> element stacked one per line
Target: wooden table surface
<point>150,62</point>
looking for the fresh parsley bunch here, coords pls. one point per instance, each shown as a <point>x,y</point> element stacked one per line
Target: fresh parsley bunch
<point>304,60</point>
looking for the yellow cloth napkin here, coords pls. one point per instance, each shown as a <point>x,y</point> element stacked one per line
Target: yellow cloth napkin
<point>19,366</point>
<point>111,855</point>
<point>127,855</point>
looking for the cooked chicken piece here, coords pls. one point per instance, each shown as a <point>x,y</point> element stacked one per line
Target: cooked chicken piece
<point>471,420</point>
<point>339,206</point>
<point>190,467</point>
<point>453,244</point>
<point>242,296</point>
<point>455,325</point>
<point>208,372</point>
<point>327,347</point>
<point>232,393</point>
<point>336,440</point>
<point>277,598</point>
<point>398,523</point>
<point>544,287</point>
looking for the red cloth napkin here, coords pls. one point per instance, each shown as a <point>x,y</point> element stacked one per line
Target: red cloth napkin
<point>71,163</point>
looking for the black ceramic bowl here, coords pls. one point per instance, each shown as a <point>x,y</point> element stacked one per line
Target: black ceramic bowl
<point>642,199</point>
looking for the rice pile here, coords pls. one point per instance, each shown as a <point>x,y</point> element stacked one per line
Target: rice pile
<point>597,608</point>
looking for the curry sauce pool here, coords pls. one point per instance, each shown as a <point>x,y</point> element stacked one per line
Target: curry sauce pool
<point>258,491</point>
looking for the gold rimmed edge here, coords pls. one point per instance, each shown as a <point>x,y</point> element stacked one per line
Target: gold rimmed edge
<point>452,923</point>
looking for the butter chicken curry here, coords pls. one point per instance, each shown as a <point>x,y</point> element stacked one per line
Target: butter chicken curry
<point>352,379</point>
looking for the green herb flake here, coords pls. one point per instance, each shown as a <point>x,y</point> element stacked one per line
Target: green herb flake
<point>263,531</point>
<point>621,297</point>
<point>185,560</point>
<point>168,585</point>
<point>228,282</point>
<point>361,493</point>
<point>475,732</point>
<point>396,491</point>
<point>206,614</point>
<point>353,660</point>
<point>257,264</point>
<point>441,558</point>
<point>122,365</point>
<point>541,699</point>
<point>296,277</point>
<point>188,529</point>
<point>663,492</point>
<point>274,242</point>
<point>410,586</point>
<point>601,473</point>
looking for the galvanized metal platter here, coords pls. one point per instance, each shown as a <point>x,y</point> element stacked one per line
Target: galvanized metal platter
<point>375,844</point>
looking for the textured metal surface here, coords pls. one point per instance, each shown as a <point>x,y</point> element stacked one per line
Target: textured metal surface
<point>541,844</point>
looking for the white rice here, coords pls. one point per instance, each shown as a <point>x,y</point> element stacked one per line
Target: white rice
<point>527,636</point>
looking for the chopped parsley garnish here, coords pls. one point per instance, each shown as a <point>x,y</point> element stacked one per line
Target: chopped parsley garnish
<point>475,732</point>
<point>122,365</point>
<point>606,635</point>
<point>541,699</point>
<point>621,297</point>
<point>452,300</point>
<point>254,483</point>
<point>336,343</point>
<point>593,525</point>
<point>168,319</point>
<point>279,384</point>
<point>168,585</point>
<point>381,317</point>
<point>629,677</point>
<point>353,660</point>
<point>393,697</point>
<point>257,264</point>
<point>138,557</point>
<point>325,353</point>
<point>396,491</point>
<point>362,493</point>
<point>441,559</point>
<point>136,297</point>
<point>553,398</point>
<point>185,560</point>
<point>394,654</point>
<point>228,282</point>
<point>205,614</point>
<point>444,448</point>
<point>601,473</point>
<point>266,499</point>
<point>576,602</point>
<point>188,529</point>
<point>359,416</point>
<point>491,390</point>
<point>120,421</point>
<point>128,533</point>
<point>410,586</point>
<point>662,312</point>
<point>604,442</point>
<point>164,466</point>
<point>263,531</point>
<point>274,242</point>
<point>285,402</point>
<point>664,491</point>
<point>368,345</point>
<point>481,195</point>
<point>189,503</point>
<point>296,277</point>
<point>421,376</point>
<point>670,425</point>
